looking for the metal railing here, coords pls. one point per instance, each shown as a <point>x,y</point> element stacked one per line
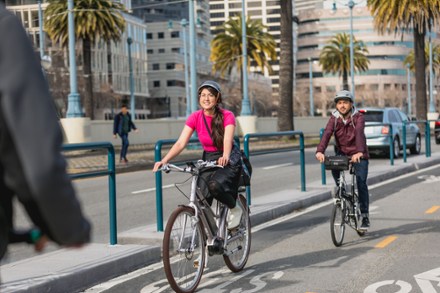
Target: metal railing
<point>278,134</point>
<point>111,172</point>
<point>427,137</point>
<point>158,175</point>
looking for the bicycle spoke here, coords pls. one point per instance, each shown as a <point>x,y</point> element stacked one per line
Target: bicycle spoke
<point>239,241</point>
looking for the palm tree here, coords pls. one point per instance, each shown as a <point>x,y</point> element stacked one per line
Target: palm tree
<point>94,20</point>
<point>402,16</point>
<point>410,59</point>
<point>285,109</point>
<point>335,57</point>
<point>226,49</point>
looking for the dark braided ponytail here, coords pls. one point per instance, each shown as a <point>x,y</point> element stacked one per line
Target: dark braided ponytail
<point>218,129</point>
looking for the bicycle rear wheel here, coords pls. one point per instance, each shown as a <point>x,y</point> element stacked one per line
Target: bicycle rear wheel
<point>239,241</point>
<point>183,250</point>
<point>337,224</point>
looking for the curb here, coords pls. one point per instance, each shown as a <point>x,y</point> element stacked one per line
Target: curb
<point>73,270</point>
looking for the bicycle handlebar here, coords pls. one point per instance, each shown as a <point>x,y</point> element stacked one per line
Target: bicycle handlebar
<point>190,167</point>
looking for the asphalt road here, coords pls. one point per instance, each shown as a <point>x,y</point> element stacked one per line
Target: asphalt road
<point>136,196</point>
<point>400,253</point>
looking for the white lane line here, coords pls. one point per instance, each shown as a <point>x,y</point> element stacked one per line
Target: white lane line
<point>151,189</point>
<point>277,166</point>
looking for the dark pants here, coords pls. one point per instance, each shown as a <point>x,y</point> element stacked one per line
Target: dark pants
<point>125,144</point>
<point>220,183</point>
<point>361,179</point>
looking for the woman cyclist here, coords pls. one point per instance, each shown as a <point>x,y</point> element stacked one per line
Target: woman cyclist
<point>215,128</point>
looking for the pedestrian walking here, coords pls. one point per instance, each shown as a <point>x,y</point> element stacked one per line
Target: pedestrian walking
<point>32,167</point>
<point>123,124</point>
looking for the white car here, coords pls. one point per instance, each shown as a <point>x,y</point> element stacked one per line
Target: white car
<point>378,135</point>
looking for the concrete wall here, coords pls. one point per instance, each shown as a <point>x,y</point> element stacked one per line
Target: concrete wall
<point>150,131</point>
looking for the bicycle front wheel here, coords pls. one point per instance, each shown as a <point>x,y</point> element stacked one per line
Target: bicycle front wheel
<point>337,224</point>
<point>239,241</point>
<point>183,250</point>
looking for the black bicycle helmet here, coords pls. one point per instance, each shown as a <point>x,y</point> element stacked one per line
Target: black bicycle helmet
<point>210,83</point>
<point>343,95</point>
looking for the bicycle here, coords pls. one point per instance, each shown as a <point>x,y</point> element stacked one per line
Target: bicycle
<point>197,229</point>
<point>346,209</point>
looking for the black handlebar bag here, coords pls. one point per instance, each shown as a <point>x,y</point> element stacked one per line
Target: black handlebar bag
<point>336,163</point>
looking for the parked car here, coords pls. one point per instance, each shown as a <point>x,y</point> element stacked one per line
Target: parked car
<point>378,136</point>
<point>437,131</point>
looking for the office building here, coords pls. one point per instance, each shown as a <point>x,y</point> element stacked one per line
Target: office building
<point>166,64</point>
<point>109,64</point>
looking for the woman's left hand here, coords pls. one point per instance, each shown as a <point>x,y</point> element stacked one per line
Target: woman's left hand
<point>223,161</point>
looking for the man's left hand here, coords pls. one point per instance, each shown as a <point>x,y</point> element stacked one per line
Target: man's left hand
<point>356,158</point>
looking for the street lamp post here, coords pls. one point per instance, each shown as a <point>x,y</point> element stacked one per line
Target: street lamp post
<point>431,75</point>
<point>40,24</point>
<point>184,23</point>
<point>312,110</point>
<point>130,71</point>
<point>408,71</point>
<point>73,100</point>
<point>192,54</point>
<point>351,5</point>
<point>245,105</point>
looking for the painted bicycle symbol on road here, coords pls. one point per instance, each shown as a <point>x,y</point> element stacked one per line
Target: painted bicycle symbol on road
<point>427,281</point>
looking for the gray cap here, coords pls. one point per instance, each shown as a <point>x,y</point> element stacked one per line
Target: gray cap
<point>210,83</point>
<point>343,95</point>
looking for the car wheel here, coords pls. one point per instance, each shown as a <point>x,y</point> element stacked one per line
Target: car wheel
<point>437,141</point>
<point>396,147</point>
<point>415,149</point>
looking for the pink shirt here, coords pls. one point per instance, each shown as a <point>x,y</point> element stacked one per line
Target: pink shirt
<point>195,121</point>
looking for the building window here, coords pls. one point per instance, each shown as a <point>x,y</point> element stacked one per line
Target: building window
<point>218,15</point>
<point>161,51</point>
<point>150,51</point>
<point>156,66</point>
<point>254,12</point>
<point>216,23</point>
<point>174,82</point>
<point>175,50</point>
<point>175,34</point>
<point>156,83</point>
<point>216,6</point>
<point>160,35</point>
<point>171,65</point>
<point>149,36</point>
<point>254,4</point>
<point>273,3</point>
<point>273,20</point>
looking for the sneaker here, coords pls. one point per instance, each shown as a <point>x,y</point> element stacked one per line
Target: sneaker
<point>365,223</point>
<point>234,217</point>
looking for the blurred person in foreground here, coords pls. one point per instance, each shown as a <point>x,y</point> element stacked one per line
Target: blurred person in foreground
<point>31,165</point>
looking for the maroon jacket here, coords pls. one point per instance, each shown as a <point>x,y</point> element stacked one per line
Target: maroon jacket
<point>349,136</point>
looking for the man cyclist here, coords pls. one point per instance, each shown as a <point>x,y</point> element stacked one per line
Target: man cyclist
<point>347,125</point>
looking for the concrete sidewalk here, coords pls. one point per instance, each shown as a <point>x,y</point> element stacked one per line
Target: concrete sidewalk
<point>69,270</point>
